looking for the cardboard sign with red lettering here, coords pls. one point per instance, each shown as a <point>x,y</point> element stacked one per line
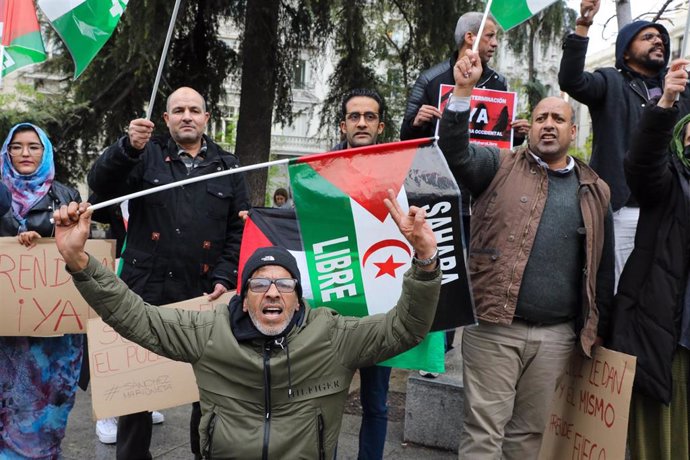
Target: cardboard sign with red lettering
<point>127,378</point>
<point>588,418</point>
<point>38,296</point>
<point>491,115</point>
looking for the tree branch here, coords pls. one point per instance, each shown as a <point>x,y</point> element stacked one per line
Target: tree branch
<point>661,11</point>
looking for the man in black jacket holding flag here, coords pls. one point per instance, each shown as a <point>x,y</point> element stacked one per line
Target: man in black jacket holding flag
<point>183,242</point>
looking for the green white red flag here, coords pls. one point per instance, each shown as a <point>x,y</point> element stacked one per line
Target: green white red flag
<point>83,25</point>
<point>510,13</point>
<point>352,255</point>
<point>21,37</point>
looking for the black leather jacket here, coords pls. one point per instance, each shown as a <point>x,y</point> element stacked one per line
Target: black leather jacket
<point>426,88</point>
<point>38,218</point>
<point>5,199</point>
<point>182,241</point>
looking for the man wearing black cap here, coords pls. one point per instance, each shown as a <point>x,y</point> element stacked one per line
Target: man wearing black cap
<point>273,375</point>
<point>616,98</point>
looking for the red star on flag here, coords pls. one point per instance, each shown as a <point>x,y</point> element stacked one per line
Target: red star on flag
<point>388,267</point>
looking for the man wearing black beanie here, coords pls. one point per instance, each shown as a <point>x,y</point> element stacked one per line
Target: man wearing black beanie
<point>273,376</point>
<point>616,98</point>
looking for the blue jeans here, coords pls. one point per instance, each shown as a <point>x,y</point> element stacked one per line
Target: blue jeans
<point>373,394</point>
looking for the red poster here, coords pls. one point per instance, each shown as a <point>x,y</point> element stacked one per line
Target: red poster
<point>491,114</point>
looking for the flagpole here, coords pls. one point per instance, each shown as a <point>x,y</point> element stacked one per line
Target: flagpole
<point>475,47</point>
<point>164,55</point>
<point>191,180</point>
<point>684,53</point>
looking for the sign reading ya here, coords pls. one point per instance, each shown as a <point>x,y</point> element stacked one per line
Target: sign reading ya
<point>38,296</point>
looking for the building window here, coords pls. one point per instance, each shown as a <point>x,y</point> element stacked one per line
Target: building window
<point>300,74</point>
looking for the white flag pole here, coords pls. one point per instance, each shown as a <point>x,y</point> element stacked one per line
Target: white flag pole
<point>191,180</point>
<point>684,52</point>
<point>164,55</point>
<point>475,46</point>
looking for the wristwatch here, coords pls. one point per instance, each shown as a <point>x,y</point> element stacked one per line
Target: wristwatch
<point>584,21</point>
<point>425,262</point>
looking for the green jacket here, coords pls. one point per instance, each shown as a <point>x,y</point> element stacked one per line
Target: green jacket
<point>267,398</point>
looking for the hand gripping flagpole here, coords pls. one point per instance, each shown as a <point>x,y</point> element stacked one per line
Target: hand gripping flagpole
<point>164,55</point>
<point>475,46</point>
<point>180,183</point>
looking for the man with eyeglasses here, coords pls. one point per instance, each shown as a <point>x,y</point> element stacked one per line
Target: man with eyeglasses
<point>616,98</point>
<point>273,375</point>
<point>362,113</point>
<point>362,118</point>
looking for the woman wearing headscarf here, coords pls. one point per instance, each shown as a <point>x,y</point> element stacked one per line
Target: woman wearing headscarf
<point>651,316</point>
<point>38,375</point>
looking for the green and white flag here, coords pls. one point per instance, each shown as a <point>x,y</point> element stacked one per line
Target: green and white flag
<point>510,13</point>
<point>83,25</point>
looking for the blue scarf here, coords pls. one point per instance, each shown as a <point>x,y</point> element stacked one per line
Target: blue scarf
<point>29,189</point>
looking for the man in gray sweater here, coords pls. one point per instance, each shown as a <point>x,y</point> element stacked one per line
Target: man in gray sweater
<point>541,264</point>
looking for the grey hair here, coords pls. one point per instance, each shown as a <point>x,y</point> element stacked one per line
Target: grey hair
<point>469,22</point>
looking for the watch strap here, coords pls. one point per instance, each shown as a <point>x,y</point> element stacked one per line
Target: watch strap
<point>425,262</point>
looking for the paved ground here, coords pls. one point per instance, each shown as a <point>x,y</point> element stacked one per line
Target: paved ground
<point>171,439</point>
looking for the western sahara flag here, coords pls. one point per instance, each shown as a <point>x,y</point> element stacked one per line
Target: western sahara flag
<point>351,250</point>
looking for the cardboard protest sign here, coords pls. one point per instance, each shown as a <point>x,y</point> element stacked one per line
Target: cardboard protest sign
<point>491,115</point>
<point>588,418</point>
<point>38,296</point>
<point>127,378</point>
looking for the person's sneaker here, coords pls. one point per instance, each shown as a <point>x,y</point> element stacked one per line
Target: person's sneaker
<point>157,418</point>
<point>429,375</point>
<point>106,430</point>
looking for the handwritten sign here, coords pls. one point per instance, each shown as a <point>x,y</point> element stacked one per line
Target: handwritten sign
<point>127,378</point>
<point>38,296</point>
<point>491,115</point>
<point>588,418</point>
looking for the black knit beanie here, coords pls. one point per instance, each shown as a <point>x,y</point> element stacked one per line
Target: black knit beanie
<point>272,255</point>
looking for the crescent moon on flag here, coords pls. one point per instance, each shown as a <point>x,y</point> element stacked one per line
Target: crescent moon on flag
<point>382,244</point>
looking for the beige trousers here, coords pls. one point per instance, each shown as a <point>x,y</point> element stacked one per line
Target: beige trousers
<point>509,376</point>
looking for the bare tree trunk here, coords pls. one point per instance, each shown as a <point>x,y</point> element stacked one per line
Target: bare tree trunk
<point>259,61</point>
<point>623,13</point>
